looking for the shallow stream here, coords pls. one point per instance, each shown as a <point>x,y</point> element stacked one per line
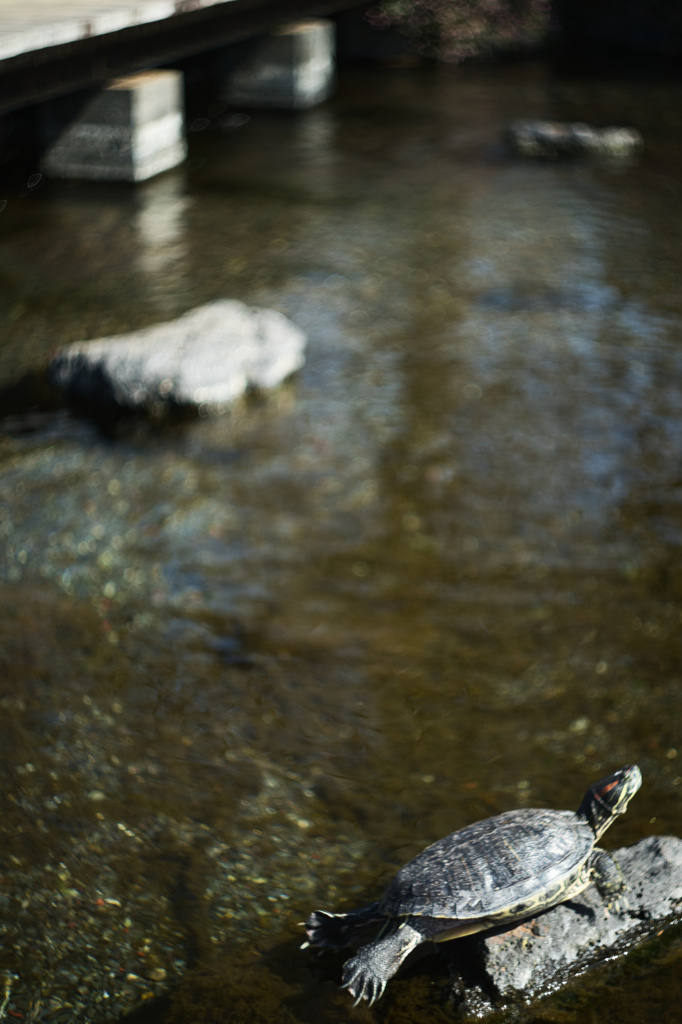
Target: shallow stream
<point>251,664</point>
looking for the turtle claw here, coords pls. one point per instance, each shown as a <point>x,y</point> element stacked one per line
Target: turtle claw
<point>377,994</point>
<point>368,991</point>
<point>362,984</point>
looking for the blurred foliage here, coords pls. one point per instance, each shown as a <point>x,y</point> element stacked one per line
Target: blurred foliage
<point>458,30</point>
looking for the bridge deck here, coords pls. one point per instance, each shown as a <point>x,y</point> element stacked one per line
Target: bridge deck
<point>28,26</point>
<point>51,47</point>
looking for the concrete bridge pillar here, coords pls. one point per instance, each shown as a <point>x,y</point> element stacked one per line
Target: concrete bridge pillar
<point>128,131</point>
<point>290,69</point>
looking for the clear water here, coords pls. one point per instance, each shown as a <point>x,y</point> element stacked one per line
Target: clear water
<point>254,663</point>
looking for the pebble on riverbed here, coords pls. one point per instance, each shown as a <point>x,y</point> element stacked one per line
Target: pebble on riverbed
<point>81,944</point>
<point>206,359</point>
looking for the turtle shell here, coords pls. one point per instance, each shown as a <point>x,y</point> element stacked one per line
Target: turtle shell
<point>492,866</point>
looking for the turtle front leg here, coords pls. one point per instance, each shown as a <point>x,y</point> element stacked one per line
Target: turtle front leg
<point>367,973</point>
<point>334,931</point>
<point>609,879</point>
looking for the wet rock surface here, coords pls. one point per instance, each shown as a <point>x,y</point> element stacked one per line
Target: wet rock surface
<point>208,357</point>
<point>554,138</point>
<point>541,954</point>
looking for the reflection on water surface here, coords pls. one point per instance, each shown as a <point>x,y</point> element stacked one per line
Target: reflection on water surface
<point>252,664</point>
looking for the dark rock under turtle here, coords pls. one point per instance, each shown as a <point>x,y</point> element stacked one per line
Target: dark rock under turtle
<point>493,872</point>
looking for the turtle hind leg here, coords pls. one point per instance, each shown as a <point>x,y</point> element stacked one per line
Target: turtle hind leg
<point>334,931</point>
<point>367,973</point>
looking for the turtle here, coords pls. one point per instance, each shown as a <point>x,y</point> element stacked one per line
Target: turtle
<point>491,873</point>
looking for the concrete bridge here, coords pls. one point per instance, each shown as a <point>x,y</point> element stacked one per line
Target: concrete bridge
<point>86,91</point>
<point>53,47</point>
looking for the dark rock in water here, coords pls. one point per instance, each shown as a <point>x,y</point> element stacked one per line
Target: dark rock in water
<point>209,357</point>
<point>554,139</point>
<point>540,954</point>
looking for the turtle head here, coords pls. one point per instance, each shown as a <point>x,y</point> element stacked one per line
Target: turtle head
<point>609,797</point>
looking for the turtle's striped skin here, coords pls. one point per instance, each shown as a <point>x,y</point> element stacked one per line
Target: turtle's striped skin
<point>492,872</point>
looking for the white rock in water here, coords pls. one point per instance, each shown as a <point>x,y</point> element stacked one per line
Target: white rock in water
<point>557,138</point>
<point>208,357</point>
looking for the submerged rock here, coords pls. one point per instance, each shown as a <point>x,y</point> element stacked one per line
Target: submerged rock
<point>209,357</point>
<point>556,138</point>
<point>540,954</point>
